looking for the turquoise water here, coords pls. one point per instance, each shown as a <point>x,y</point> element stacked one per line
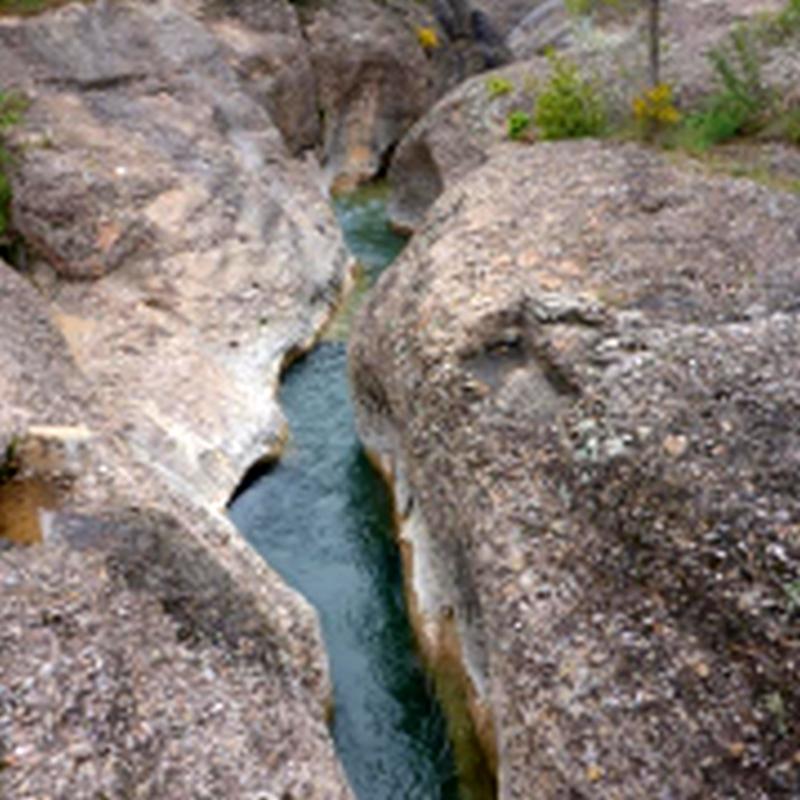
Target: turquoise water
<point>322,518</point>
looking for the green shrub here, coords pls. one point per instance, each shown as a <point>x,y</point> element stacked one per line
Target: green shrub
<point>11,108</point>
<point>27,7</point>
<point>738,72</point>
<point>741,102</point>
<point>789,18</point>
<point>519,125</point>
<point>497,86</point>
<point>721,120</point>
<point>778,28</point>
<point>569,106</point>
<point>789,126</point>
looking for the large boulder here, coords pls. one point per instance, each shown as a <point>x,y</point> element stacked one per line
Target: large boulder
<point>445,145</point>
<point>377,71</point>
<point>373,81</point>
<point>582,378</point>
<point>146,649</point>
<point>177,255</point>
<point>266,45</point>
<point>184,251</point>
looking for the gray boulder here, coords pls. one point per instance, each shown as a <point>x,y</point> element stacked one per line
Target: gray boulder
<point>582,377</point>
<point>266,45</point>
<point>178,255</point>
<point>373,81</point>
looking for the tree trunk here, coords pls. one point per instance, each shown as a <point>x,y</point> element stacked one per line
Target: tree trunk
<point>655,42</point>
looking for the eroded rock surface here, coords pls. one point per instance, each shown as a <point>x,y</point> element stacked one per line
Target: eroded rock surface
<point>583,377</point>
<point>373,80</point>
<point>375,76</point>
<point>177,255</point>
<point>146,164</point>
<point>266,45</point>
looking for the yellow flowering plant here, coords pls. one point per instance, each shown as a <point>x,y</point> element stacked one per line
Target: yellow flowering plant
<point>427,38</point>
<point>654,110</point>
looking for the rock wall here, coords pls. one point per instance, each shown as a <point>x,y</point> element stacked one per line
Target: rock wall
<point>147,166</point>
<point>582,377</point>
<point>266,45</point>
<point>373,81</point>
<point>177,255</point>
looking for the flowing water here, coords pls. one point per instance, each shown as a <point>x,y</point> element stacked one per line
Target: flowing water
<point>322,517</point>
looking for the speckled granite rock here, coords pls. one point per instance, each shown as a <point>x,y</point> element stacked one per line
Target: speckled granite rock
<point>145,648</point>
<point>178,255</point>
<point>112,681</point>
<point>583,378</point>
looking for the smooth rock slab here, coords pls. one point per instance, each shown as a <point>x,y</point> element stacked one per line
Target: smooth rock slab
<point>146,164</point>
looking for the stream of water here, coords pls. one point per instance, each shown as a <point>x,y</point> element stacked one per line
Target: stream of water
<point>322,517</point>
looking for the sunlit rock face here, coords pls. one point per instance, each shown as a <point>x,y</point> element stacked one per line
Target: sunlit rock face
<point>176,254</point>
<point>583,376</point>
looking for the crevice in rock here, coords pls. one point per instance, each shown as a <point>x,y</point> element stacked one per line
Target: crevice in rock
<point>102,84</point>
<point>446,644</point>
<point>254,474</point>
<point>386,160</point>
<point>15,251</point>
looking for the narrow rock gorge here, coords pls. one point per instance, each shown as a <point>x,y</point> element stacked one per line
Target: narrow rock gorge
<point>580,381</point>
<point>174,247</point>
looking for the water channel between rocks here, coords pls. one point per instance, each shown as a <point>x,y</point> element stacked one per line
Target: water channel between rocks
<point>322,517</point>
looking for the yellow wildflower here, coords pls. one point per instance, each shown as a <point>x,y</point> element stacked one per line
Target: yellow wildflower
<point>427,38</point>
<point>654,109</point>
<point>669,115</point>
